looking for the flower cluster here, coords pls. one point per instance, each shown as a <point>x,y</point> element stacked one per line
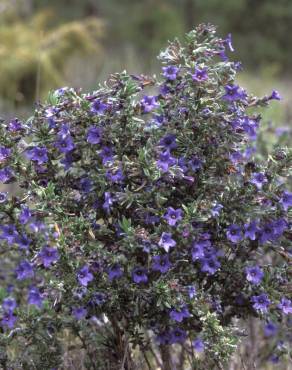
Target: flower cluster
<point>146,211</point>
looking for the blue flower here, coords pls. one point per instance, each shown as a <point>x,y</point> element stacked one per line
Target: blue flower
<point>200,74</point>
<point>9,304</point>
<point>34,297</point>
<point>170,72</point>
<point>286,200</point>
<point>233,93</point>
<point>258,179</point>
<point>24,270</point>
<point>25,215</point>
<point>38,154</point>
<point>161,263</point>
<point>251,230</point>
<point>172,216</point>
<point>4,153</point>
<point>65,145</point>
<point>98,107</point>
<point>8,320</point>
<point>179,315</point>
<point>149,103</point>
<point>84,276</point>
<point>168,142</point>
<point>178,335</point>
<point>165,161</point>
<point>166,241</point>
<point>115,272</point>
<point>94,135</point>
<point>79,313</point>
<point>261,302</point>
<point>139,275</point>
<point>285,305</point>
<point>5,174</point>
<point>198,345</point>
<point>48,256</point>
<point>234,233</point>
<point>254,274</point>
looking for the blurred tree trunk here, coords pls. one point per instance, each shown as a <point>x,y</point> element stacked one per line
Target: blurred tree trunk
<point>167,363</point>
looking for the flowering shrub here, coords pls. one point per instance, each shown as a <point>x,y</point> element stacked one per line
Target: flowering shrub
<point>142,220</point>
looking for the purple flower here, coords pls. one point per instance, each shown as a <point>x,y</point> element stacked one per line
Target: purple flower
<point>285,305</point>
<point>34,297</point>
<point>8,320</point>
<point>166,241</point>
<point>228,42</point>
<point>195,164</point>
<point>179,315</point>
<point>250,230</point>
<point>210,265</point>
<point>85,185</point>
<point>250,126</point>
<point>115,175</point>
<point>161,263</point>
<point>149,103</point>
<point>258,179</point>
<point>5,174</point>
<point>139,275</point>
<point>108,202</point>
<point>272,230</point>
<point>215,211</point>
<point>177,335</point>
<point>4,153</point>
<point>106,154</point>
<point>38,154</point>
<point>84,276</point>
<point>234,233</point>
<point>286,200</point>
<point>200,74</point>
<point>15,125</point>
<point>233,93</point>
<point>275,95</point>
<point>97,299</point>
<point>191,291</point>
<point>172,216</point>
<point>94,135</point>
<point>236,157</point>
<point>254,274</point>
<point>98,107</point>
<point>24,270</point>
<point>24,215</point>
<point>198,249</point>
<point>168,142</point>
<point>164,338</point>
<point>65,145</point>
<point>270,329</point>
<point>9,304</point>
<point>79,313</point>
<point>198,345</point>
<point>22,241</point>
<point>170,72</point>
<point>165,161</point>
<point>3,197</point>
<point>115,272</point>
<point>48,256</point>
<point>9,233</point>
<point>261,302</point>
<point>37,226</point>
<point>67,161</point>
